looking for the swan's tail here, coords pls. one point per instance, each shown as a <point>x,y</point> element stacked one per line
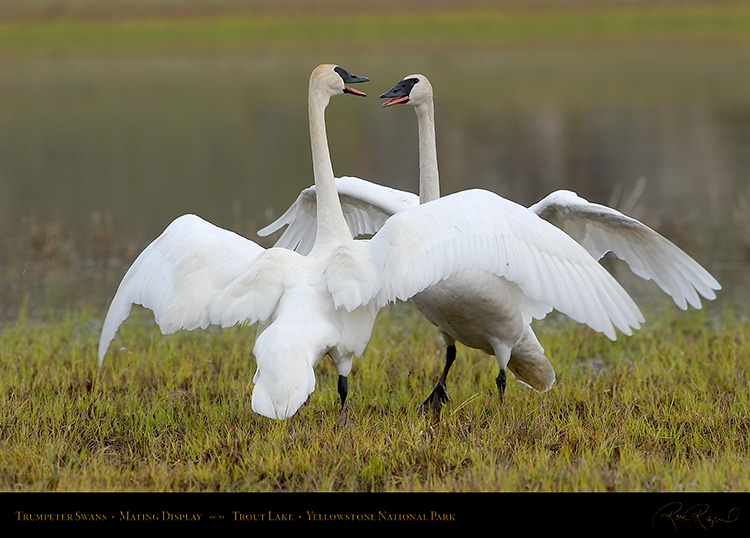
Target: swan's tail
<point>285,376</point>
<point>279,397</point>
<point>529,364</point>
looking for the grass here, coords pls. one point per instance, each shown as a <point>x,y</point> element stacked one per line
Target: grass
<point>393,28</point>
<point>663,410</point>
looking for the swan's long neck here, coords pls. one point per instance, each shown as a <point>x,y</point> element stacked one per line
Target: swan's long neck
<point>429,181</point>
<point>331,225</point>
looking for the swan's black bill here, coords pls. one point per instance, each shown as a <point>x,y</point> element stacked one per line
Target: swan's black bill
<point>399,93</point>
<point>349,78</point>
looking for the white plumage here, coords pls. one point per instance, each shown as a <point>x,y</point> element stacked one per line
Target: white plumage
<point>601,229</point>
<point>366,207</point>
<point>492,310</point>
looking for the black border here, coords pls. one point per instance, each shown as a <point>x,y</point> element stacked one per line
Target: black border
<point>656,513</point>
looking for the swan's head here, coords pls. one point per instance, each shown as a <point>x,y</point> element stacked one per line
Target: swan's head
<point>414,89</point>
<point>330,80</point>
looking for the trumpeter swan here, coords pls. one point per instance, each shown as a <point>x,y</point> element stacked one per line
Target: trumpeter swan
<point>196,274</point>
<point>480,309</point>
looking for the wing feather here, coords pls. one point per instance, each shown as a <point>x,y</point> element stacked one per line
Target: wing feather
<point>366,207</point>
<point>601,229</point>
<point>478,230</point>
<point>178,275</point>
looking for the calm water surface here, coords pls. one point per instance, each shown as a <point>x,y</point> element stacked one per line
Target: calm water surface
<point>99,153</point>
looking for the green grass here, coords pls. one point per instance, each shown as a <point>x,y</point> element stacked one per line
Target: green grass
<point>663,410</point>
<point>398,29</point>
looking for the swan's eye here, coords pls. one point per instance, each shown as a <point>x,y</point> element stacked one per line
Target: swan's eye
<point>405,87</point>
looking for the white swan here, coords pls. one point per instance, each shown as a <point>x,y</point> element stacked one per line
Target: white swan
<point>196,274</point>
<point>479,309</point>
<point>325,302</point>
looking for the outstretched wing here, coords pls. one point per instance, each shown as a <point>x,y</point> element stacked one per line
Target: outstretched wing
<point>366,207</point>
<point>476,229</point>
<point>601,229</point>
<point>179,275</point>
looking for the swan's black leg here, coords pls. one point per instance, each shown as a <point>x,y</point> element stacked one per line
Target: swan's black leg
<point>439,395</point>
<point>343,418</point>
<point>343,390</point>
<point>500,382</point>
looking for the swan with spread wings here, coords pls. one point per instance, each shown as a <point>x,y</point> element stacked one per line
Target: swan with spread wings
<point>484,309</point>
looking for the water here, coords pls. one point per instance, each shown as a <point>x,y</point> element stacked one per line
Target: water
<point>98,153</point>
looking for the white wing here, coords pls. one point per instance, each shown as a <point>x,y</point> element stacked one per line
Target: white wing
<point>366,207</point>
<point>178,275</point>
<point>479,230</point>
<point>649,255</point>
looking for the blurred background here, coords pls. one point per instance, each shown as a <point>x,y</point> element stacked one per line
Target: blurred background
<point>116,117</point>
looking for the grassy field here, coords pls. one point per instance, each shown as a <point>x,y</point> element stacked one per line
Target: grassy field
<point>664,410</point>
<point>390,27</point>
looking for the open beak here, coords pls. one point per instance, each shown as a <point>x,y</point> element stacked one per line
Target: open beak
<point>396,100</point>
<point>354,92</point>
<point>399,93</point>
<point>350,78</point>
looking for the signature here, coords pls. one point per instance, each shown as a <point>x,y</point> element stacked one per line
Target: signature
<point>697,514</point>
